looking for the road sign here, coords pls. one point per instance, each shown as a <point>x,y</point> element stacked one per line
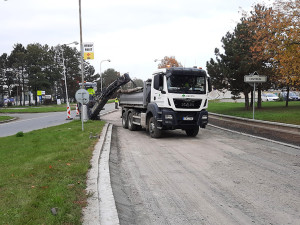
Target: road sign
<point>82,96</point>
<point>88,49</point>
<point>255,78</point>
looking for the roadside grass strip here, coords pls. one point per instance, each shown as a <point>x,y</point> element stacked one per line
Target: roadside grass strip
<point>41,108</point>
<point>43,174</point>
<point>4,118</point>
<point>270,111</point>
<point>36,109</point>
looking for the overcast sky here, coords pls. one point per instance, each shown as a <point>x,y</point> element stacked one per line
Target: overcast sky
<point>131,33</point>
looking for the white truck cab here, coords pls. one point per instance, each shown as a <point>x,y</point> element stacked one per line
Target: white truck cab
<point>175,98</point>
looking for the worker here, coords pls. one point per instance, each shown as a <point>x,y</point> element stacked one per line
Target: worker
<point>91,92</point>
<point>116,103</point>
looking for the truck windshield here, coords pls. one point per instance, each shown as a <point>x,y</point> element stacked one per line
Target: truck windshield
<point>191,84</point>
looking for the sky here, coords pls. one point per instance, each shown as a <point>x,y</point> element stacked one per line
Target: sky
<point>131,33</point>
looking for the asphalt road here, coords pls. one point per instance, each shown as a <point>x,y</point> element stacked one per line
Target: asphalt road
<point>33,121</point>
<point>215,178</point>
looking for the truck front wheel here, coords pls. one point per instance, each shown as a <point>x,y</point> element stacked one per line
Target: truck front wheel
<point>153,130</point>
<point>192,132</point>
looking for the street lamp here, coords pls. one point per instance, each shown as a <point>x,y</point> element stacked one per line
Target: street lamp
<point>65,77</point>
<point>81,59</point>
<point>108,60</point>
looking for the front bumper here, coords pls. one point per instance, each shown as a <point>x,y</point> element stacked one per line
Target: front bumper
<point>183,120</point>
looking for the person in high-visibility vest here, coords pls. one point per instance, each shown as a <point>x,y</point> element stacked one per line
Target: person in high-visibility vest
<point>91,92</point>
<point>116,103</point>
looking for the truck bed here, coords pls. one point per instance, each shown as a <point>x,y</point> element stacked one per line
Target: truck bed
<point>139,98</point>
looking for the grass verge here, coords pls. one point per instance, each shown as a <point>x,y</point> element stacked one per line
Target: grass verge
<point>2,118</point>
<point>41,108</point>
<point>270,111</point>
<point>36,109</point>
<point>43,170</point>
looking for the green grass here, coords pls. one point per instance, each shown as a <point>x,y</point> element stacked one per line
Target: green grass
<point>36,109</point>
<point>40,108</point>
<point>270,111</point>
<point>2,118</point>
<point>46,169</point>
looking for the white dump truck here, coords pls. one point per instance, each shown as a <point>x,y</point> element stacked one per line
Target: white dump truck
<point>175,98</point>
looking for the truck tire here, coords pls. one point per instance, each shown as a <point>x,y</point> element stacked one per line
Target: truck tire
<point>192,132</point>
<point>153,130</point>
<point>131,125</point>
<point>124,121</point>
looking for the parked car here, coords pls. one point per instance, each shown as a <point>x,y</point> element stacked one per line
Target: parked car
<point>268,97</point>
<point>292,96</point>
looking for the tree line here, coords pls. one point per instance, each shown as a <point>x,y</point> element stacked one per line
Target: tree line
<point>41,67</point>
<point>266,40</point>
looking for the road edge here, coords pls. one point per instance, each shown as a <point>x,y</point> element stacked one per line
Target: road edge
<point>101,208</point>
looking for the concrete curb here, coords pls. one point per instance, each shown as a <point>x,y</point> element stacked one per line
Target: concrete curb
<point>273,124</point>
<point>285,133</point>
<point>101,208</point>
<point>7,121</point>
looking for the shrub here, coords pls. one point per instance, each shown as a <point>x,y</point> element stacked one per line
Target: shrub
<point>20,134</point>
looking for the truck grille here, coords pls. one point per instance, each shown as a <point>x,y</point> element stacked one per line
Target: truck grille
<point>187,103</point>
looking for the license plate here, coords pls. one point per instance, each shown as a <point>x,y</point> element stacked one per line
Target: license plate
<point>187,118</point>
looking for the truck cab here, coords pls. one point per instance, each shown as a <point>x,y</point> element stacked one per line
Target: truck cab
<point>180,89</point>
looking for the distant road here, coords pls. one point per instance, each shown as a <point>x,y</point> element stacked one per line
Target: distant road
<point>34,121</point>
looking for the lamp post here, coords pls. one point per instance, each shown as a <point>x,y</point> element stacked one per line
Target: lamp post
<point>108,60</point>
<point>81,59</point>
<point>65,77</point>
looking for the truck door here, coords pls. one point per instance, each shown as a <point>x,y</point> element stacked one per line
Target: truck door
<point>158,94</point>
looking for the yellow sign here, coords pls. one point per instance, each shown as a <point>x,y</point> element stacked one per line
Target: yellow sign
<point>88,49</point>
<point>88,55</point>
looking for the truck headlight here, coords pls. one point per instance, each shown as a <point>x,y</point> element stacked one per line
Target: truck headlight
<point>168,117</point>
<point>204,117</point>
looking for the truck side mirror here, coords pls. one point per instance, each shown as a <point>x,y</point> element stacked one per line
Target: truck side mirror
<point>156,82</point>
<point>209,84</point>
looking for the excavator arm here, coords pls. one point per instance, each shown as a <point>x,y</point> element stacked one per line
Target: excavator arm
<point>107,94</point>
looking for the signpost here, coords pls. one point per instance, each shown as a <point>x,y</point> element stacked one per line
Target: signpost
<point>253,79</point>
<point>82,96</point>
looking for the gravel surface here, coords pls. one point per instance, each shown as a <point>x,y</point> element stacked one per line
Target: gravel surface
<point>217,177</point>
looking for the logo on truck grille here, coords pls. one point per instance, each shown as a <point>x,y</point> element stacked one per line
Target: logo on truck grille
<point>187,103</point>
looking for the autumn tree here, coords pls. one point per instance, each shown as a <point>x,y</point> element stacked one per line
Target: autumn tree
<point>169,61</point>
<point>277,41</point>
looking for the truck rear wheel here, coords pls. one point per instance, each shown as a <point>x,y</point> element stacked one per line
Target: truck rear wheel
<point>153,130</point>
<point>131,125</point>
<point>192,132</point>
<point>124,121</point>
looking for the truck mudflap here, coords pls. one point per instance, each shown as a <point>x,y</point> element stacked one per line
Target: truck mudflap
<point>183,120</point>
